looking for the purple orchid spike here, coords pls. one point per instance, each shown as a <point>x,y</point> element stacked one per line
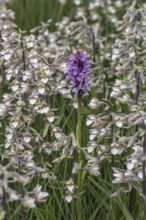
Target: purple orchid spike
<point>79,73</point>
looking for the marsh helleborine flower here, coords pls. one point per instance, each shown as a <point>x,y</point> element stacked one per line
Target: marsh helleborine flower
<point>79,73</point>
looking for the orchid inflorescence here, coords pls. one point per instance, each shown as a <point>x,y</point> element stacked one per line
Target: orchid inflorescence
<point>79,73</point>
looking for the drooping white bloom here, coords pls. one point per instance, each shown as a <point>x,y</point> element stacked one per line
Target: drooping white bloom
<point>28,202</point>
<point>3,110</point>
<point>39,196</point>
<point>68,197</point>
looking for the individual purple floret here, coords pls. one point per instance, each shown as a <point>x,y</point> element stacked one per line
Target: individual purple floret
<point>79,73</point>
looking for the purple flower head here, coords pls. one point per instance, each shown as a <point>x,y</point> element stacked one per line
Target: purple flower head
<point>79,73</point>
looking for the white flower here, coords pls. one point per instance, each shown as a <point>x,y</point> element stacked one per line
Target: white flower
<point>30,164</point>
<point>8,55</point>
<point>140,175</point>
<point>70,188</point>
<point>38,194</point>
<point>42,109</point>
<point>26,75</point>
<point>132,54</point>
<point>30,44</point>
<point>24,87</point>
<point>33,99</point>
<point>119,124</point>
<point>90,149</point>
<point>27,138</point>
<point>3,110</point>
<point>94,170</point>
<point>41,196</point>
<point>9,134</point>
<point>41,89</point>
<point>9,74</point>
<point>92,136</point>
<point>70,185</point>
<point>75,105</point>
<point>113,94</point>
<point>30,41</point>
<point>68,197</point>
<point>93,103</point>
<point>112,10</point>
<point>28,202</point>
<point>90,120</point>
<point>118,175</point>
<point>63,67</point>
<point>50,117</point>
<point>130,166</point>
<point>15,86</point>
<point>47,71</point>
<point>15,122</point>
<point>8,144</point>
<point>77,2</point>
<point>46,33</point>
<point>58,135</point>
<point>44,79</point>
<point>34,60</point>
<point>118,3</point>
<point>114,151</point>
<point>13,195</point>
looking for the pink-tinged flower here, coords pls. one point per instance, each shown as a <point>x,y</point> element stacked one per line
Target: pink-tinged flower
<point>79,73</point>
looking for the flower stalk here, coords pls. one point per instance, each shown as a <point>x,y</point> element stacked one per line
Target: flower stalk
<point>4,199</point>
<point>133,192</point>
<point>144,173</point>
<point>79,157</point>
<point>144,166</point>
<point>79,140</point>
<point>93,44</point>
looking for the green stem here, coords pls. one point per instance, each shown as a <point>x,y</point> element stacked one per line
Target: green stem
<point>79,158</point>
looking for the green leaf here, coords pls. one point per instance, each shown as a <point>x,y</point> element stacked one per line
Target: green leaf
<point>45,130</point>
<point>136,67</point>
<point>2,214</point>
<point>25,117</point>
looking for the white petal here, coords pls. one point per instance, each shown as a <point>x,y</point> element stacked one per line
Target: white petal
<point>50,119</point>
<point>14,88</point>
<point>130,166</point>
<point>92,136</point>
<point>68,198</point>
<point>70,188</point>
<point>28,202</point>
<point>41,90</point>
<point>27,139</point>
<point>140,175</point>
<point>90,149</point>
<point>75,105</point>
<point>42,195</point>
<point>89,122</point>
<point>15,124</point>
<point>32,101</point>
<point>114,151</point>
<point>119,124</point>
